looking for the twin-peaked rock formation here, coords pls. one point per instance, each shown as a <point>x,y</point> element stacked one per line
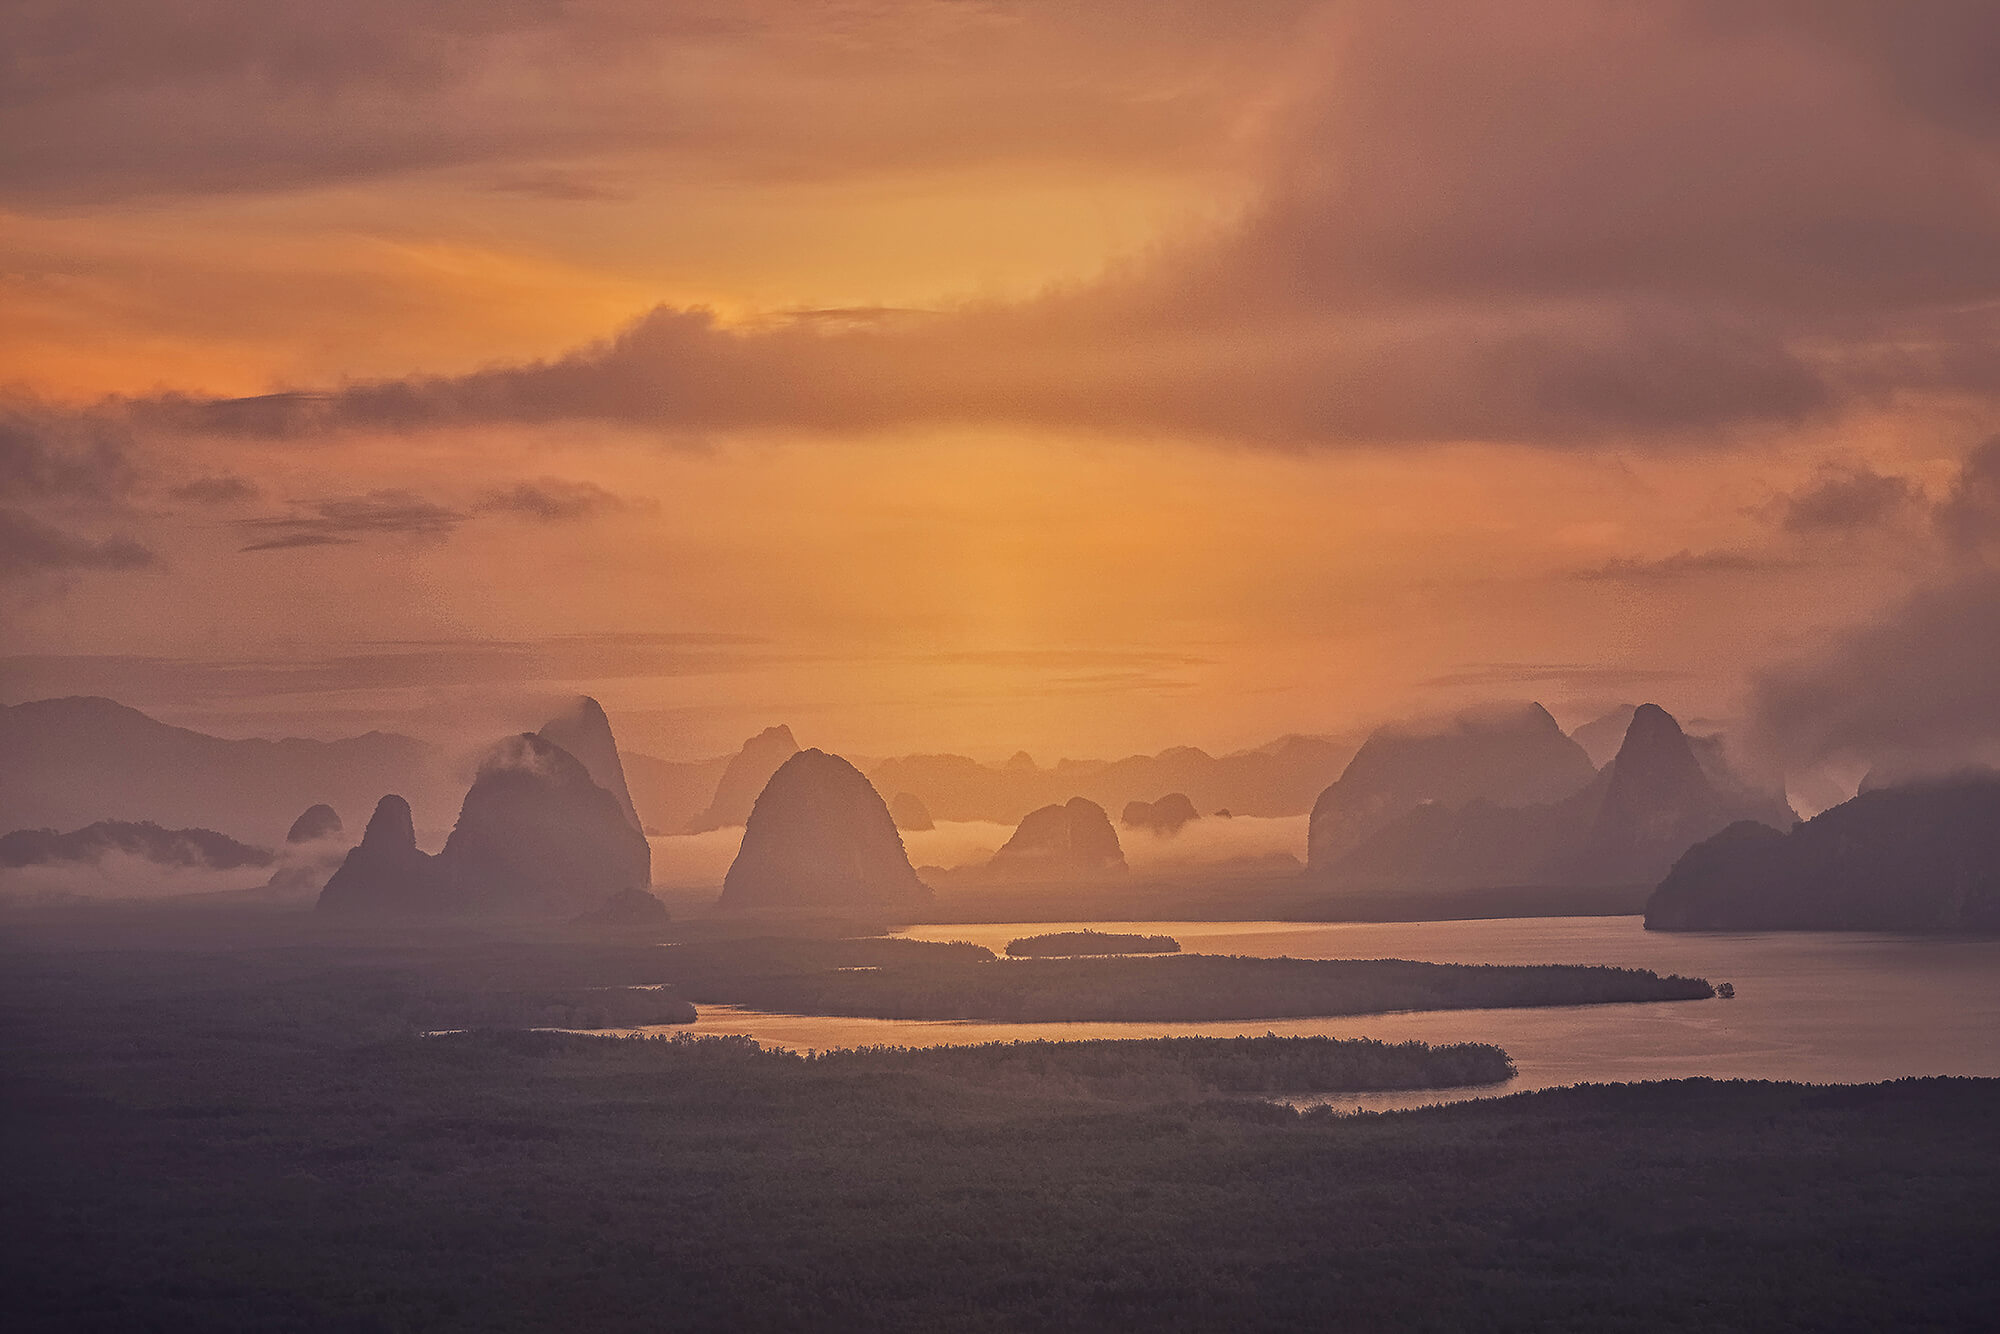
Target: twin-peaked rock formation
<point>537,837</point>
<point>1447,812</point>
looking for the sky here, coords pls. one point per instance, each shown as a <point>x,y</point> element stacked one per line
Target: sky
<point>978,375</point>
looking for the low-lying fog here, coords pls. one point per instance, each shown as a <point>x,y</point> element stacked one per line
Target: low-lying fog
<point>699,861</point>
<point>297,873</point>
<point>683,861</point>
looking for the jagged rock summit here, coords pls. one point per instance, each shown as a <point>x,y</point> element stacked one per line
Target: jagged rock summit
<point>820,839</point>
<point>746,776</point>
<point>387,875</point>
<point>1075,838</point>
<point>1603,735</point>
<point>538,837</point>
<point>584,731</point>
<point>1657,804</point>
<point>910,814</point>
<point>1165,816</point>
<point>314,824</point>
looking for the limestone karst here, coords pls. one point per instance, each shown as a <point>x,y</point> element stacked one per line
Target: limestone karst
<point>1075,838</point>
<point>584,731</point>
<point>820,839</point>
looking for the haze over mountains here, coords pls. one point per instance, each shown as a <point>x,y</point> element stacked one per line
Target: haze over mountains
<point>820,838</point>
<point>1920,857</point>
<point>1508,754</point>
<point>65,763</point>
<point>1442,808</point>
<point>1282,778</point>
<point>1495,796</point>
<point>536,837</point>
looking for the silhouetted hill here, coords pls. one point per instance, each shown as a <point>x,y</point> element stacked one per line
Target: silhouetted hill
<point>169,847</point>
<point>1508,755</point>
<point>744,778</point>
<point>585,732</point>
<point>1602,736</point>
<point>910,813</point>
<point>70,762</point>
<point>1279,779</point>
<point>1751,800</point>
<point>1165,816</point>
<point>387,875</point>
<point>314,823</point>
<point>537,837</point>
<point>1626,827</point>
<point>1075,838</point>
<point>626,908</point>
<point>1923,857</point>
<point>670,795</point>
<point>1657,803</point>
<point>820,838</point>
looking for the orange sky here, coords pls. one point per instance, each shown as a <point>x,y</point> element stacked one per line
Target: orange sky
<point>943,376</point>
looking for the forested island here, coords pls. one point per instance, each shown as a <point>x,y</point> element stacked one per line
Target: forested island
<point>907,979</point>
<point>1069,944</point>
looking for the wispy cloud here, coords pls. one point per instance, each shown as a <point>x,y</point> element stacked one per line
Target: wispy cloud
<point>345,520</point>
<point>553,500</point>
<point>226,489</point>
<point>1680,565</point>
<point>28,546</point>
<point>1569,675</point>
<point>1845,500</point>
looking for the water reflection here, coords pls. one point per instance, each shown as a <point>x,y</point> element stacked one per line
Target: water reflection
<point>1810,1007</point>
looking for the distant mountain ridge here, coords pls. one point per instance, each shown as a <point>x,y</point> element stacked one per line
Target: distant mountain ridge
<point>66,763</point>
<point>1506,754</point>
<point>1626,826</point>
<point>168,847</point>
<point>1281,778</point>
<point>743,779</point>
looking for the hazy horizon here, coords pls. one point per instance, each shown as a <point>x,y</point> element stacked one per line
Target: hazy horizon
<point>981,378</point>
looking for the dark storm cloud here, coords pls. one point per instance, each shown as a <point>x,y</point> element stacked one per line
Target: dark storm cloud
<point>346,520</point>
<point>1560,222</point>
<point>1565,222</point>
<point>1913,690</point>
<point>29,547</point>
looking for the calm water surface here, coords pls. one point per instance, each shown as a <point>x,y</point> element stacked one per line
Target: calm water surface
<point>1812,1007</point>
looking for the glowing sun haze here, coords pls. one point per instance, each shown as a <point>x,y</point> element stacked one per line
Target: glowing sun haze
<point>972,376</point>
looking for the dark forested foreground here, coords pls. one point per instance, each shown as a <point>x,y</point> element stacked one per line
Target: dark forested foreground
<point>1138,1067</point>
<point>250,1142</point>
